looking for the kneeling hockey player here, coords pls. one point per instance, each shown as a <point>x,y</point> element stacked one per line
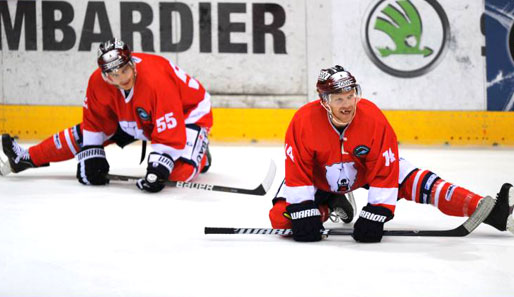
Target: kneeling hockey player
<point>130,96</point>
<point>343,142</point>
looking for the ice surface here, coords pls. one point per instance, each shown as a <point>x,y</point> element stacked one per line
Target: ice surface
<point>60,238</point>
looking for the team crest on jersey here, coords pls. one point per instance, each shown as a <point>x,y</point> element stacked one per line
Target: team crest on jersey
<point>143,114</point>
<point>361,150</point>
<point>341,176</point>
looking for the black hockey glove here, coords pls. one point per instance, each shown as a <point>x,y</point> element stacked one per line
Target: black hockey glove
<point>369,227</point>
<point>157,172</point>
<point>306,221</point>
<point>92,167</point>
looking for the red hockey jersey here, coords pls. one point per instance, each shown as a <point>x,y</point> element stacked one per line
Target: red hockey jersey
<point>318,156</point>
<point>163,100</point>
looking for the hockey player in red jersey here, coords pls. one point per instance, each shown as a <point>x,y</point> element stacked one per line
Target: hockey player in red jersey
<point>343,142</point>
<point>131,96</point>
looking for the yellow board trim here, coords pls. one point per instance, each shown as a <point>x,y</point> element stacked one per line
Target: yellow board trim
<point>459,128</point>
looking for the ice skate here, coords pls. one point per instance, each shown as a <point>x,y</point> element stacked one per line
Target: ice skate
<point>501,215</point>
<point>18,158</point>
<point>342,208</point>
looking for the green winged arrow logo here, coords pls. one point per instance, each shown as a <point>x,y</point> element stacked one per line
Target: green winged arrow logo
<point>404,28</point>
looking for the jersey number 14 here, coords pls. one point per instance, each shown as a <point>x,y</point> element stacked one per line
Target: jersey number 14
<point>389,157</point>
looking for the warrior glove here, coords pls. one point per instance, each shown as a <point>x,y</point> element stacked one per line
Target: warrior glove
<point>369,227</point>
<point>306,221</point>
<point>157,172</point>
<point>92,167</point>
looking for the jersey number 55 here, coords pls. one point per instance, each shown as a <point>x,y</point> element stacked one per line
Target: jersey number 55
<point>166,122</point>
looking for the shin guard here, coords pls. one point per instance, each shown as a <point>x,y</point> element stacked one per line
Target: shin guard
<point>423,186</point>
<point>59,147</point>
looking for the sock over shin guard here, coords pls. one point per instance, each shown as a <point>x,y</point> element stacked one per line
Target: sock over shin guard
<point>423,186</point>
<point>59,147</point>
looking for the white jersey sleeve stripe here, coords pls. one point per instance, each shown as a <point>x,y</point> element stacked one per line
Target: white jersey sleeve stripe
<point>94,138</point>
<point>164,149</point>
<point>405,168</point>
<point>203,108</point>
<point>297,194</point>
<point>382,195</point>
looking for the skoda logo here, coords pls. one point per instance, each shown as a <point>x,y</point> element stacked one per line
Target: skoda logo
<point>406,38</point>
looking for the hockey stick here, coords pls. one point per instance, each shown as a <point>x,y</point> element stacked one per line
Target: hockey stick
<point>482,211</point>
<point>260,190</point>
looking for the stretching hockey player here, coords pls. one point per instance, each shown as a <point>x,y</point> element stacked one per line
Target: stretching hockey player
<point>130,96</point>
<point>342,142</point>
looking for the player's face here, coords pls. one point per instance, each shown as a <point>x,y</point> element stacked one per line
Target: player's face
<point>124,78</point>
<point>343,106</point>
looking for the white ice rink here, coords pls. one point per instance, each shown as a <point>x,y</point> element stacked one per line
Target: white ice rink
<point>62,239</point>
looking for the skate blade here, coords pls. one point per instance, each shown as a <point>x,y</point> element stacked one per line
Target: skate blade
<point>5,168</point>
<point>510,218</point>
<point>510,224</point>
<point>511,198</point>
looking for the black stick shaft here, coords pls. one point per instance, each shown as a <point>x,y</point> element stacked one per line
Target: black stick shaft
<point>260,191</point>
<point>483,209</point>
<point>337,231</point>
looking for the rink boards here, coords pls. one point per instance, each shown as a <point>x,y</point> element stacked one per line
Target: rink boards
<point>483,128</point>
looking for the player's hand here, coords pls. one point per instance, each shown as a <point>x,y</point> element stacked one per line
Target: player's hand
<point>306,221</point>
<point>369,227</point>
<point>92,167</point>
<point>157,173</point>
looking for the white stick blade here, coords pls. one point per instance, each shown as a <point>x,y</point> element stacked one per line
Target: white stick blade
<point>483,209</point>
<point>270,176</point>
